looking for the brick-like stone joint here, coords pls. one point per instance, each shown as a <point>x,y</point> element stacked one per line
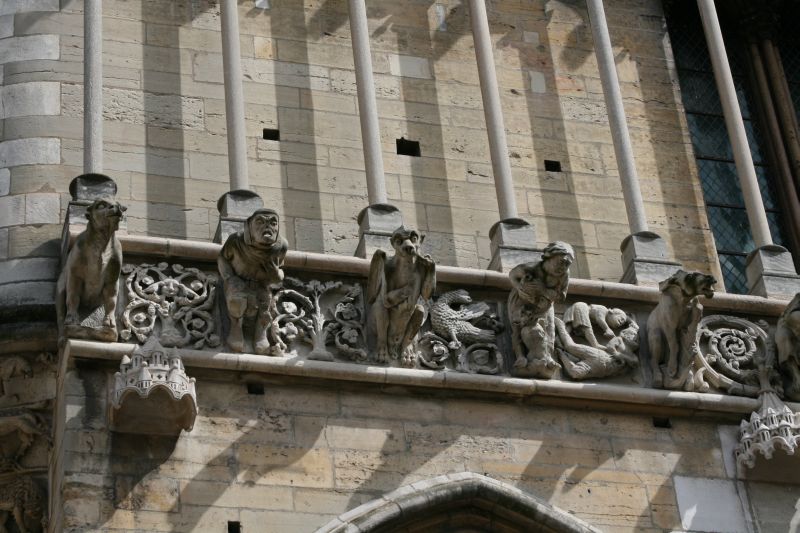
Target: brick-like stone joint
<point>394,288</point>
<point>234,207</point>
<point>86,291</point>
<point>152,394</point>
<point>645,259</point>
<point>672,328</point>
<point>376,223</point>
<point>250,265</point>
<point>771,272</point>
<point>535,287</point>
<point>512,242</point>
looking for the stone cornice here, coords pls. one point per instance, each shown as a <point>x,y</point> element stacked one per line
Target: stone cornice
<point>616,396</point>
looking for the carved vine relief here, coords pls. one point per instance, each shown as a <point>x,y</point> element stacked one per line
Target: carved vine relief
<point>395,317</point>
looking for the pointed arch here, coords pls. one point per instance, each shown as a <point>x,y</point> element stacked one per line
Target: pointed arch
<point>457,502</point>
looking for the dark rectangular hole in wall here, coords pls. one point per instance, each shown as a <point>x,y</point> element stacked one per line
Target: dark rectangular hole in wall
<point>661,422</point>
<point>272,134</point>
<point>234,527</point>
<point>255,388</point>
<point>406,147</point>
<point>552,166</point>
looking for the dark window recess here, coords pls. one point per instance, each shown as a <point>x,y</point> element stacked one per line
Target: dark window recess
<point>552,166</point>
<point>406,147</point>
<point>234,527</point>
<point>255,388</point>
<point>272,134</point>
<point>661,422</point>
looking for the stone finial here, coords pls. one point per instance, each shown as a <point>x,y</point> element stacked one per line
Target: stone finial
<point>394,288</point>
<point>376,223</point>
<point>774,425</point>
<point>152,393</point>
<point>249,263</point>
<point>512,242</point>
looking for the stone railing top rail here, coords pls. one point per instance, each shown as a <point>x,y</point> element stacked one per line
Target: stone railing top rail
<point>208,252</point>
<point>643,399</point>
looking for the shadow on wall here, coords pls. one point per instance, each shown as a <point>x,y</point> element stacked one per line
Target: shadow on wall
<point>298,156</point>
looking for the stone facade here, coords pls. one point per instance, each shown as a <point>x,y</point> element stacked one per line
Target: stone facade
<point>290,444</point>
<point>165,125</point>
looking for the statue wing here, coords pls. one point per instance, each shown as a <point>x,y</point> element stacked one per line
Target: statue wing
<point>429,277</point>
<point>376,282</point>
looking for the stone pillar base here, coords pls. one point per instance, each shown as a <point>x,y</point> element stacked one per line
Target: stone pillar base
<point>513,241</point>
<point>234,207</point>
<point>771,273</point>
<point>376,223</point>
<point>84,190</point>
<point>645,259</point>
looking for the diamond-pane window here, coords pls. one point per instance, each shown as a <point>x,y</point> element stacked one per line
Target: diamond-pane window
<point>712,148</point>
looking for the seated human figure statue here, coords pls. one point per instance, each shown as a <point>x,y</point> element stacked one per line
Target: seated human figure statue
<point>249,264</point>
<point>535,287</point>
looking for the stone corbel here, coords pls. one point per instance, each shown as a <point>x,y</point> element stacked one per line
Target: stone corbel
<point>152,394</point>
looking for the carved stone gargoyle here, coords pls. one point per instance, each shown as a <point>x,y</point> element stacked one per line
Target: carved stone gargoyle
<point>250,263</point>
<point>787,346</point>
<point>534,288</point>
<point>394,289</point>
<point>672,327</point>
<point>86,293</point>
<point>152,393</point>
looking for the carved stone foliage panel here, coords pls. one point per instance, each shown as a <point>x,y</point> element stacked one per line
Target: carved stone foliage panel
<point>27,386</point>
<point>172,301</point>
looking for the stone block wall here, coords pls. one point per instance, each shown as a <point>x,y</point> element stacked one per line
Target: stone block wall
<point>301,453</point>
<point>165,124</point>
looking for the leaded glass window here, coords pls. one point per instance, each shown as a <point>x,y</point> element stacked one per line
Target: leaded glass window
<point>712,148</point>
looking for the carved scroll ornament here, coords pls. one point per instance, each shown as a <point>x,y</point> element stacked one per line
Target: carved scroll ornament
<point>180,300</point>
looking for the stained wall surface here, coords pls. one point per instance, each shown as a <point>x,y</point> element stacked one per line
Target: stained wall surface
<point>165,128</point>
<point>302,453</point>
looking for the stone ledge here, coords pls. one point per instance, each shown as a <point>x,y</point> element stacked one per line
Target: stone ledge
<point>208,252</point>
<point>625,397</point>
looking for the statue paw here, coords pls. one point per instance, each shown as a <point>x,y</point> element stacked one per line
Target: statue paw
<point>263,347</point>
<point>110,322</point>
<point>72,318</point>
<point>382,356</point>
<point>521,362</point>
<point>454,345</point>
<point>235,341</point>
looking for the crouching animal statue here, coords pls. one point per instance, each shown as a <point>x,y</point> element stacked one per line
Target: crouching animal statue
<point>86,292</point>
<point>787,345</point>
<point>534,288</point>
<point>394,289</point>
<point>672,327</point>
<point>249,264</point>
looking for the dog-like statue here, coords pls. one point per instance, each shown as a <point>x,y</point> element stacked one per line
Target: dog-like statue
<point>534,288</point>
<point>249,264</point>
<point>90,277</point>
<point>394,288</point>
<point>672,327</point>
<point>787,345</point>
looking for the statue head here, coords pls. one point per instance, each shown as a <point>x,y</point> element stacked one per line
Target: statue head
<point>406,241</point>
<point>105,215</point>
<point>616,318</point>
<point>557,258</point>
<point>690,284</point>
<point>263,228</point>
